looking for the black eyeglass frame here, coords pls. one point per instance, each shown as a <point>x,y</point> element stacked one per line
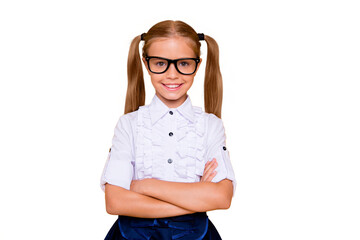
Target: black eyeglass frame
<point>169,61</point>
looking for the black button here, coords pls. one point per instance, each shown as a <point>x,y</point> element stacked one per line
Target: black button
<point>170,160</point>
<point>170,134</point>
<point>171,112</point>
<point>224,148</point>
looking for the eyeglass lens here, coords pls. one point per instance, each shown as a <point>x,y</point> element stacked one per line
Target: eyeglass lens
<point>185,66</point>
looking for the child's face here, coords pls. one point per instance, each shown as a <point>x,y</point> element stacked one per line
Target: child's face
<point>171,86</point>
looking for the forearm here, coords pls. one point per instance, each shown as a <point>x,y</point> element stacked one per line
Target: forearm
<point>120,201</point>
<point>197,197</point>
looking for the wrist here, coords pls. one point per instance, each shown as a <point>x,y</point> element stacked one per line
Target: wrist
<point>146,186</point>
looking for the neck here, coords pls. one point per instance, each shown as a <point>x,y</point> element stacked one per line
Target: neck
<point>170,103</point>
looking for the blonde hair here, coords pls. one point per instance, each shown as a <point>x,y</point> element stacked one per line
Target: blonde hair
<point>213,87</point>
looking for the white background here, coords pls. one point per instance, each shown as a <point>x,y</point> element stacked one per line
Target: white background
<point>291,112</point>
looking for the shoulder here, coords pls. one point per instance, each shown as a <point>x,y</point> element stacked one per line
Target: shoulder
<point>212,123</point>
<point>210,119</point>
<point>127,121</point>
<point>213,119</point>
<point>129,117</point>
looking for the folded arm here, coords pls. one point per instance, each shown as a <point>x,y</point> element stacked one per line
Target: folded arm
<point>198,197</point>
<point>120,201</point>
<point>167,199</point>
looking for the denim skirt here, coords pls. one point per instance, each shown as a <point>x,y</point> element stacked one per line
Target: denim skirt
<point>196,226</point>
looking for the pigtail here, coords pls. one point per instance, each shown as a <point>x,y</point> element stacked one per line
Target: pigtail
<point>213,86</point>
<point>135,95</point>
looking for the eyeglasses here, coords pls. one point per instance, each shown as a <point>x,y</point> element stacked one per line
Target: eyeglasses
<point>185,66</point>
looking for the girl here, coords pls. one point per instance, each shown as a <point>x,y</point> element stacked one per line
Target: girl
<point>168,163</point>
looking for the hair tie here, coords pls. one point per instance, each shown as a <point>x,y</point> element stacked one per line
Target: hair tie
<point>201,36</point>
<point>143,36</point>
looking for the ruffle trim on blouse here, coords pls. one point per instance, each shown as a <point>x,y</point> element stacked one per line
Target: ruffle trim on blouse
<point>190,147</point>
<point>150,146</point>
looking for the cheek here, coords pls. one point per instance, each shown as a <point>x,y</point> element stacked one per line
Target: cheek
<point>189,79</point>
<point>156,80</point>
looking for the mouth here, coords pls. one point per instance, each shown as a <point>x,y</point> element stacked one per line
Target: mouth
<point>172,87</point>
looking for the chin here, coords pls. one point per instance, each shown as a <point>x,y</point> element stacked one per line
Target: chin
<point>171,96</point>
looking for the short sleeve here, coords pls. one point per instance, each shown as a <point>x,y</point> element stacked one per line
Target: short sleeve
<point>119,168</point>
<point>216,148</point>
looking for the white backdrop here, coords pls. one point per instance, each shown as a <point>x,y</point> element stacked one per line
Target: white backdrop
<point>291,112</point>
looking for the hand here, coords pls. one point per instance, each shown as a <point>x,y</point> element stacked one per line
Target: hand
<point>209,171</point>
<point>138,185</point>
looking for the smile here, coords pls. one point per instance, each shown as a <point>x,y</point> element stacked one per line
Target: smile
<point>172,87</point>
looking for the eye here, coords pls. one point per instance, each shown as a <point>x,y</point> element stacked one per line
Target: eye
<point>184,63</point>
<point>160,63</point>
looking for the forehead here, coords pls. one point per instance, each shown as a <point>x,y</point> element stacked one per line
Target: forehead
<point>174,47</point>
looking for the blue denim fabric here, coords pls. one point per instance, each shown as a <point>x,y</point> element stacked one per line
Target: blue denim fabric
<point>195,226</point>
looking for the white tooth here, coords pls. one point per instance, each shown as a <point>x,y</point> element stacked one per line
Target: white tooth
<point>172,86</point>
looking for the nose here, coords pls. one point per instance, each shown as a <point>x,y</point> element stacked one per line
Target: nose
<point>172,73</point>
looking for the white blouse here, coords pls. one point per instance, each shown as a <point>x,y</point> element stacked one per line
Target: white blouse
<point>171,144</point>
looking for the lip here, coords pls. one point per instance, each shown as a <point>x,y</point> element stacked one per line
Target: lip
<point>172,89</point>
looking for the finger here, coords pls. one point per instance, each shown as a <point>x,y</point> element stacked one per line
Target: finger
<point>211,168</point>
<point>209,174</point>
<point>211,177</point>
<point>206,170</point>
<point>209,163</point>
<point>208,166</point>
